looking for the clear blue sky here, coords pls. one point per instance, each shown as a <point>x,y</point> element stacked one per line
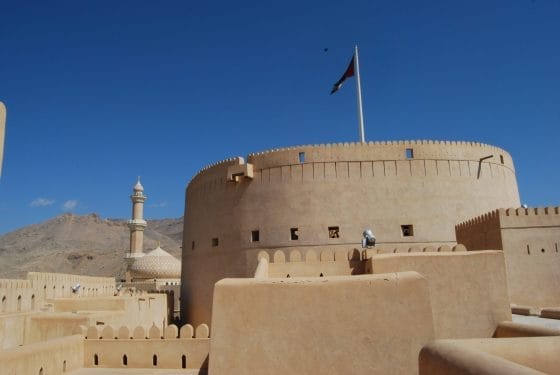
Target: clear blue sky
<point>99,92</point>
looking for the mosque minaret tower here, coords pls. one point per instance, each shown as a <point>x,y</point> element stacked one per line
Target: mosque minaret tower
<point>137,224</point>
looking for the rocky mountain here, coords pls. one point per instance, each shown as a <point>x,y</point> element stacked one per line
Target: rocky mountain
<point>81,244</point>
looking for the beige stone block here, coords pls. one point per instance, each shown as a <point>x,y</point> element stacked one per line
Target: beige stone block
<point>311,256</point>
<point>202,331</point>
<point>295,256</point>
<point>279,256</point>
<point>154,332</point>
<point>139,332</point>
<point>327,256</point>
<point>107,332</point>
<point>459,247</point>
<point>468,290</point>
<point>124,333</point>
<point>171,332</point>
<point>306,325</point>
<point>186,332</point>
<point>92,333</point>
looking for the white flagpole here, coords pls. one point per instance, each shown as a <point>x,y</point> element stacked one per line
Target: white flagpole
<point>359,95</point>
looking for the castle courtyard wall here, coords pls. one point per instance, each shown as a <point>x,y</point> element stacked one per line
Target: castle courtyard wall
<point>307,325</point>
<point>530,240</point>
<point>468,290</point>
<point>55,356</point>
<point>523,356</point>
<point>20,300</point>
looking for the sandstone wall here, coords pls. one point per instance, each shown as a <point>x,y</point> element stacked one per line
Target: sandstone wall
<point>468,290</point>
<point>20,299</point>
<point>527,355</point>
<point>299,325</point>
<point>146,347</point>
<point>50,357</point>
<point>530,239</point>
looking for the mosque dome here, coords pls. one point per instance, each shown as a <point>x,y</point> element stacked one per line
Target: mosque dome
<point>157,264</point>
<point>138,186</point>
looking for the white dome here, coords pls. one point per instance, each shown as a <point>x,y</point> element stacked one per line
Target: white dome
<point>138,186</point>
<point>157,264</point>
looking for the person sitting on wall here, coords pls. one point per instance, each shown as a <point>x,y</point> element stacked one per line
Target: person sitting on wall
<point>368,239</point>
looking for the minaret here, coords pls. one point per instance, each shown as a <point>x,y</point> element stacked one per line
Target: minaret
<point>137,224</point>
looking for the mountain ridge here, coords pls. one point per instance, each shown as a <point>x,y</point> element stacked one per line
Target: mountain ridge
<point>81,244</point>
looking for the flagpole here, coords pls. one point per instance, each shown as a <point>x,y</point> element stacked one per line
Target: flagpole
<point>359,95</point>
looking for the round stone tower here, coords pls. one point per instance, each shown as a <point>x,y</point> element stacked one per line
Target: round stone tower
<point>322,197</point>
<point>137,224</point>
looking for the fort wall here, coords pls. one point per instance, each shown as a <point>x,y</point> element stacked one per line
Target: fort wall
<point>290,324</point>
<point>458,311</point>
<point>20,299</point>
<point>320,261</point>
<point>56,356</point>
<point>530,239</point>
<point>530,355</point>
<point>410,193</point>
<point>146,347</point>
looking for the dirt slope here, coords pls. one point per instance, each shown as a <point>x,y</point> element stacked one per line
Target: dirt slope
<point>87,245</point>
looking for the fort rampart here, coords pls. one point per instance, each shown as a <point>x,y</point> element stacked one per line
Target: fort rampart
<point>31,294</point>
<point>146,347</point>
<point>411,193</point>
<point>309,262</point>
<point>530,239</point>
<point>108,347</point>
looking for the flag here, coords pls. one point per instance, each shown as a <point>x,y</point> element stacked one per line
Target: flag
<point>347,74</point>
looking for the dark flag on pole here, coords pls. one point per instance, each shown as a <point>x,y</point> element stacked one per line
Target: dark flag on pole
<point>347,74</point>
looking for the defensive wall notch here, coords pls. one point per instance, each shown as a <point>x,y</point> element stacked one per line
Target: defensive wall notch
<point>108,332</point>
<point>520,216</point>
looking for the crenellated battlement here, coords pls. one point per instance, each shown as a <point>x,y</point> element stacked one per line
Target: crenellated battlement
<point>332,262</point>
<point>21,295</point>
<point>370,151</point>
<point>108,332</point>
<point>378,143</point>
<point>146,347</point>
<point>519,216</point>
<point>14,284</point>
<point>343,255</point>
<point>237,160</point>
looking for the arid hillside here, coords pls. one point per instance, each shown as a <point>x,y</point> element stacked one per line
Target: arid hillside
<point>86,245</point>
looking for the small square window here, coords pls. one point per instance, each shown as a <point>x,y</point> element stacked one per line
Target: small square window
<point>215,242</point>
<point>302,157</point>
<point>294,236</point>
<point>409,153</point>
<point>334,232</point>
<point>407,230</point>
<point>255,236</point>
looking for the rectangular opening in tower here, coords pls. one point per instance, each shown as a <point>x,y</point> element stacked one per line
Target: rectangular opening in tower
<point>215,242</point>
<point>302,157</point>
<point>294,234</point>
<point>409,153</point>
<point>407,230</point>
<point>255,236</point>
<point>334,232</point>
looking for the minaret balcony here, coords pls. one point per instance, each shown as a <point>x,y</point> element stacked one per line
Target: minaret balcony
<point>137,224</point>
